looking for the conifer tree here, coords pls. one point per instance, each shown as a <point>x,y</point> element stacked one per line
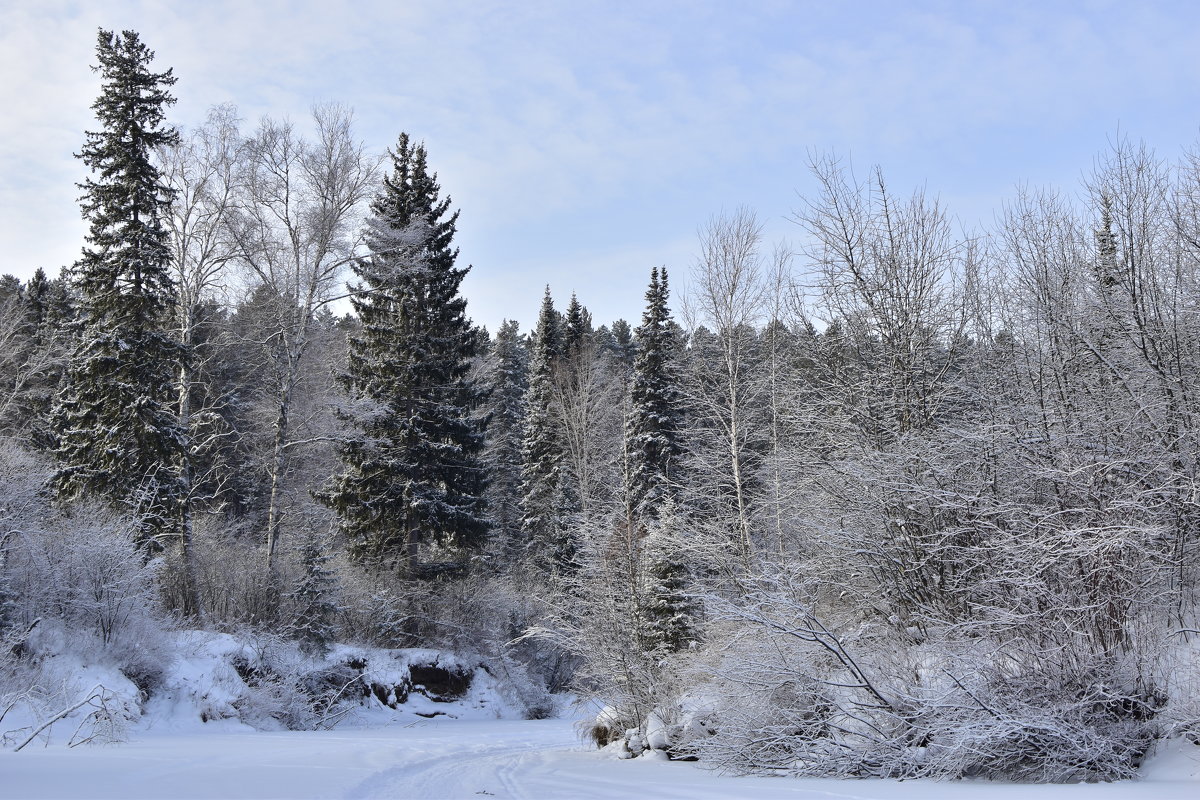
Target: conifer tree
<point>654,426</point>
<point>507,383</point>
<point>623,348</point>
<point>17,345</point>
<point>542,487</point>
<point>672,612</point>
<point>37,296</point>
<point>117,436</point>
<point>314,599</point>
<point>577,327</point>
<point>412,471</point>
<point>653,431</point>
<point>32,352</point>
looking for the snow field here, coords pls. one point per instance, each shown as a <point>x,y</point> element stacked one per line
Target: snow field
<point>444,758</point>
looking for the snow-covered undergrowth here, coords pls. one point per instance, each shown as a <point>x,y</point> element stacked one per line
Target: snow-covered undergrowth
<point>773,719</point>
<point>221,681</point>
<point>782,705</point>
<point>89,654</point>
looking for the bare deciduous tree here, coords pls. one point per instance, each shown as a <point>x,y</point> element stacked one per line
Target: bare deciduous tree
<point>296,231</point>
<point>727,292</point>
<point>204,169</point>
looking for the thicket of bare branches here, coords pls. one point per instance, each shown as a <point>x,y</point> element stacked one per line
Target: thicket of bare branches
<point>992,565</point>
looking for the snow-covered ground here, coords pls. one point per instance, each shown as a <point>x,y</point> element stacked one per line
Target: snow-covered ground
<point>445,758</point>
<point>196,737</point>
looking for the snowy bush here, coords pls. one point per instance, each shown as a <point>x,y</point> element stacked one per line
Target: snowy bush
<point>79,571</point>
<point>273,671</point>
<point>233,585</point>
<point>789,690</point>
<point>1042,726</point>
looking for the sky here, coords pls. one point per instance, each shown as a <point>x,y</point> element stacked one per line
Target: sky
<point>586,142</point>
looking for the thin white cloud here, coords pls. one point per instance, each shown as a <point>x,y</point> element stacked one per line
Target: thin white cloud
<point>614,127</point>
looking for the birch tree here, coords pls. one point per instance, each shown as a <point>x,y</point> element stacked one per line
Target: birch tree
<point>296,230</point>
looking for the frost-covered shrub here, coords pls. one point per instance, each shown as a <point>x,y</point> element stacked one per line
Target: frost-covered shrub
<point>767,709</point>
<point>86,575</point>
<point>273,670</point>
<point>1181,716</point>
<point>233,584</point>
<point>861,707</point>
<point>274,701</point>
<point>78,571</point>
<point>1043,723</point>
<point>286,687</point>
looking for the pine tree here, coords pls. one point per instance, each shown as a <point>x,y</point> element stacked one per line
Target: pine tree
<point>412,471</point>
<point>117,437</point>
<point>654,427</point>
<point>542,487</point>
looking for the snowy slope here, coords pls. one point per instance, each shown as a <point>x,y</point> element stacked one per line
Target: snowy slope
<point>219,683</point>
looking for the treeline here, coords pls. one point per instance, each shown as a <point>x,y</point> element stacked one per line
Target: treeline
<point>906,502</point>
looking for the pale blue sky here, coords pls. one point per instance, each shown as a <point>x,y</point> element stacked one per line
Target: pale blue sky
<point>586,142</point>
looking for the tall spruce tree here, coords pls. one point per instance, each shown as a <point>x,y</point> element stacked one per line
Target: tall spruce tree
<point>412,472</point>
<point>543,480</point>
<point>117,436</point>
<point>508,380</point>
<point>654,426</point>
<point>652,444</point>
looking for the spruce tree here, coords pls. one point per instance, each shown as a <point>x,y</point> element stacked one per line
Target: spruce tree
<point>49,309</point>
<point>577,327</point>
<point>315,603</point>
<point>672,613</point>
<point>623,348</point>
<point>411,469</point>
<point>17,345</point>
<point>37,297</point>
<point>507,383</point>
<point>543,480</point>
<point>652,443</point>
<point>117,437</point>
<point>654,426</point>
